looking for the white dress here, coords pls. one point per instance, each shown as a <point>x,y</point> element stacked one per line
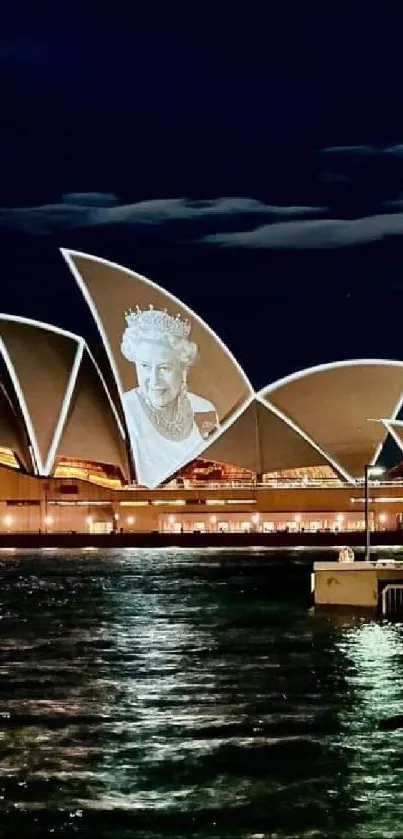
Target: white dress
<point>155,457</point>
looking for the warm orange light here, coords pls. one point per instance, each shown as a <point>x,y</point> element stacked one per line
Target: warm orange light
<point>91,472</point>
<point>8,458</point>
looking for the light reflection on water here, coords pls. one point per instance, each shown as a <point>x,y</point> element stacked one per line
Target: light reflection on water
<point>374,674</point>
<point>160,694</point>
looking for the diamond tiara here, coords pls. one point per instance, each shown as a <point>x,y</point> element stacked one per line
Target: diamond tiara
<point>157,320</point>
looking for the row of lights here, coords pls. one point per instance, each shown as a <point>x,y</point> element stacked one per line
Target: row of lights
<point>8,520</point>
<point>129,519</point>
<point>213,519</point>
<point>382,517</point>
<point>255,518</point>
<point>297,518</point>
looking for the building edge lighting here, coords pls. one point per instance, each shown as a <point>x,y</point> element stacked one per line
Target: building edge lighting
<point>33,442</point>
<point>119,423</point>
<point>331,365</point>
<point>40,466</point>
<point>389,425</point>
<point>61,422</point>
<point>202,449</point>
<point>68,256</point>
<point>291,424</point>
<point>43,463</point>
<point>328,365</point>
<point>44,467</point>
<point>395,413</point>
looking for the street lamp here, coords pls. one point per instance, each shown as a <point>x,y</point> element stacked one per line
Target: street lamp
<point>369,471</point>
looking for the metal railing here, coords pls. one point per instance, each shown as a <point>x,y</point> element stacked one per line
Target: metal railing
<point>392,599</point>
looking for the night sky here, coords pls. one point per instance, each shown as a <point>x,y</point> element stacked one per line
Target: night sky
<point>246,156</point>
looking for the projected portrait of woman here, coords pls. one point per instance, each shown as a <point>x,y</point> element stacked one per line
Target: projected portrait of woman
<point>166,421</point>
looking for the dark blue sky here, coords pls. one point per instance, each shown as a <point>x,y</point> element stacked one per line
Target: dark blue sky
<point>247,156</point>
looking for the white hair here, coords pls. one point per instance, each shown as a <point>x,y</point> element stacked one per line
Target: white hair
<point>185,350</point>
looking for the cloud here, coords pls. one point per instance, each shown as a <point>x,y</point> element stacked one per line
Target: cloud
<point>319,233</point>
<point>84,210</point>
<point>396,150</point>
<point>90,199</point>
<point>395,203</point>
<point>273,226</point>
<point>352,150</point>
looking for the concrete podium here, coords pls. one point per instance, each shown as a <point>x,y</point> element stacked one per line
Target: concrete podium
<point>354,583</point>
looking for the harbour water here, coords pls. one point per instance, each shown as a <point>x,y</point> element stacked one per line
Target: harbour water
<point>172,693</point>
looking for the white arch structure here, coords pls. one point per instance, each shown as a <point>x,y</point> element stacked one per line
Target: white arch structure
<point>45,466</point>
<point>69,256</point>
<point>265,392</point>
<point>265,396</point>
<point>391,425</point>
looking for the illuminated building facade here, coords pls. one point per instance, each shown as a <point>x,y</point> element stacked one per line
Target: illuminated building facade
<point>165,431</point>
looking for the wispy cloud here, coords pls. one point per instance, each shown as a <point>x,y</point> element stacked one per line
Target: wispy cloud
<point>319,233</point>
<point>229,219</point>
<point>84,210</point>
<point>396,150</point>
<point>90,199</point>
<point>353,150</point>
<point>364,151</point>
<point>394,203</point>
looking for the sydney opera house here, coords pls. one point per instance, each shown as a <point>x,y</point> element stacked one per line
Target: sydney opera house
<point>163,431</point>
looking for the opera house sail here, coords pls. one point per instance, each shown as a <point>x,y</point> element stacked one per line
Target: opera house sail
<point>179,385</point>
<point>165,430</point>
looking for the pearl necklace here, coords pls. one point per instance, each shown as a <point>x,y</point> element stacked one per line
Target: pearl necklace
<point>178,428</point>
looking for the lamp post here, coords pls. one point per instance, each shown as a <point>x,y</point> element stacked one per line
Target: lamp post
<point>369,471</point>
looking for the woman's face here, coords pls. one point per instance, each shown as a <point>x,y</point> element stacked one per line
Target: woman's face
<point>159,373</point>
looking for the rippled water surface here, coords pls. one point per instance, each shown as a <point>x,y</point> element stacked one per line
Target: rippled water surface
<point>177,694</point>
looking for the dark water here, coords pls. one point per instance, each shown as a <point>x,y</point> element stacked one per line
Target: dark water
<point>161,694</point>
